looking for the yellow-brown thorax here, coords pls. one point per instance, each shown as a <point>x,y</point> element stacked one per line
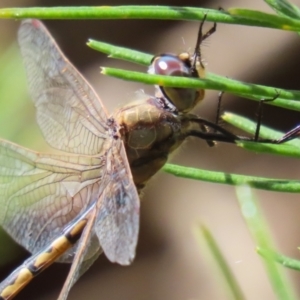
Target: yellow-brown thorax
<point>150,131</point>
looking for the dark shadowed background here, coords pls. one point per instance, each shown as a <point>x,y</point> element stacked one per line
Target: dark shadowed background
<point>170,264</point>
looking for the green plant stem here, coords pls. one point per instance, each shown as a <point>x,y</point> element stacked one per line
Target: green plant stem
<point>285,261</point>
<point>154,12</point>
<point>270,184</point>
<point>284,8</point>
<point>262,237</point>
<point>211,82</point>
<point>220,260</point>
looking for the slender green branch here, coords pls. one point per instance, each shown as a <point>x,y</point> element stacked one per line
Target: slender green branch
<point>284,8</point>
<point>263,239</point>
<point>211,82</point>
<point>250,127</point>
<point>154,12</point>
<point>220,260</point>
<point>121,52</point>
<point>270,184</point>
<point>285,261</point>
<point>258,15</point>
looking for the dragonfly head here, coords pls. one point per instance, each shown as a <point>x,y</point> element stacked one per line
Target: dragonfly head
<point>185,65</point>
<point>184,99</point>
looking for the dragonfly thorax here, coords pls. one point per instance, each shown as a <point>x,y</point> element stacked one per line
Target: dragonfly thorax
<point>150,131</point>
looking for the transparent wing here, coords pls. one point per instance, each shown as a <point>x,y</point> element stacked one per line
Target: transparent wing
<point>69,112</point>
<point>116,219</point>
<point>117,223</point>
<point>40,194</point>
<point>79,267</point>
<point>81,262</point>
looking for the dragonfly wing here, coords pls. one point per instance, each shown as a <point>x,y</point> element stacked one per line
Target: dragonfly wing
<point>117,224</point>
<point>73,276</point>
<point>88,260</point>
<point>69,112</point>
<point>40,194</point>
<point>81,262</point>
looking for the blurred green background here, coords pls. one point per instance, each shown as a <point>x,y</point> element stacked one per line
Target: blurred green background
<point>169,262</point>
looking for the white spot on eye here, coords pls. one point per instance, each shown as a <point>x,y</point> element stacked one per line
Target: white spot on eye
<point>163,65</point>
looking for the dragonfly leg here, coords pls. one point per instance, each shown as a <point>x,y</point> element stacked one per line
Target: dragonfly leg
<point>260,114</point>
<point>290,135</point>
<point>220,134</point>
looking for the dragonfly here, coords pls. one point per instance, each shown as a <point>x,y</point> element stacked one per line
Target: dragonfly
<point>74,205</point>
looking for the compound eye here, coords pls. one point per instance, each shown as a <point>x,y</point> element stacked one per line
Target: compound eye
<point>171,65</point>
